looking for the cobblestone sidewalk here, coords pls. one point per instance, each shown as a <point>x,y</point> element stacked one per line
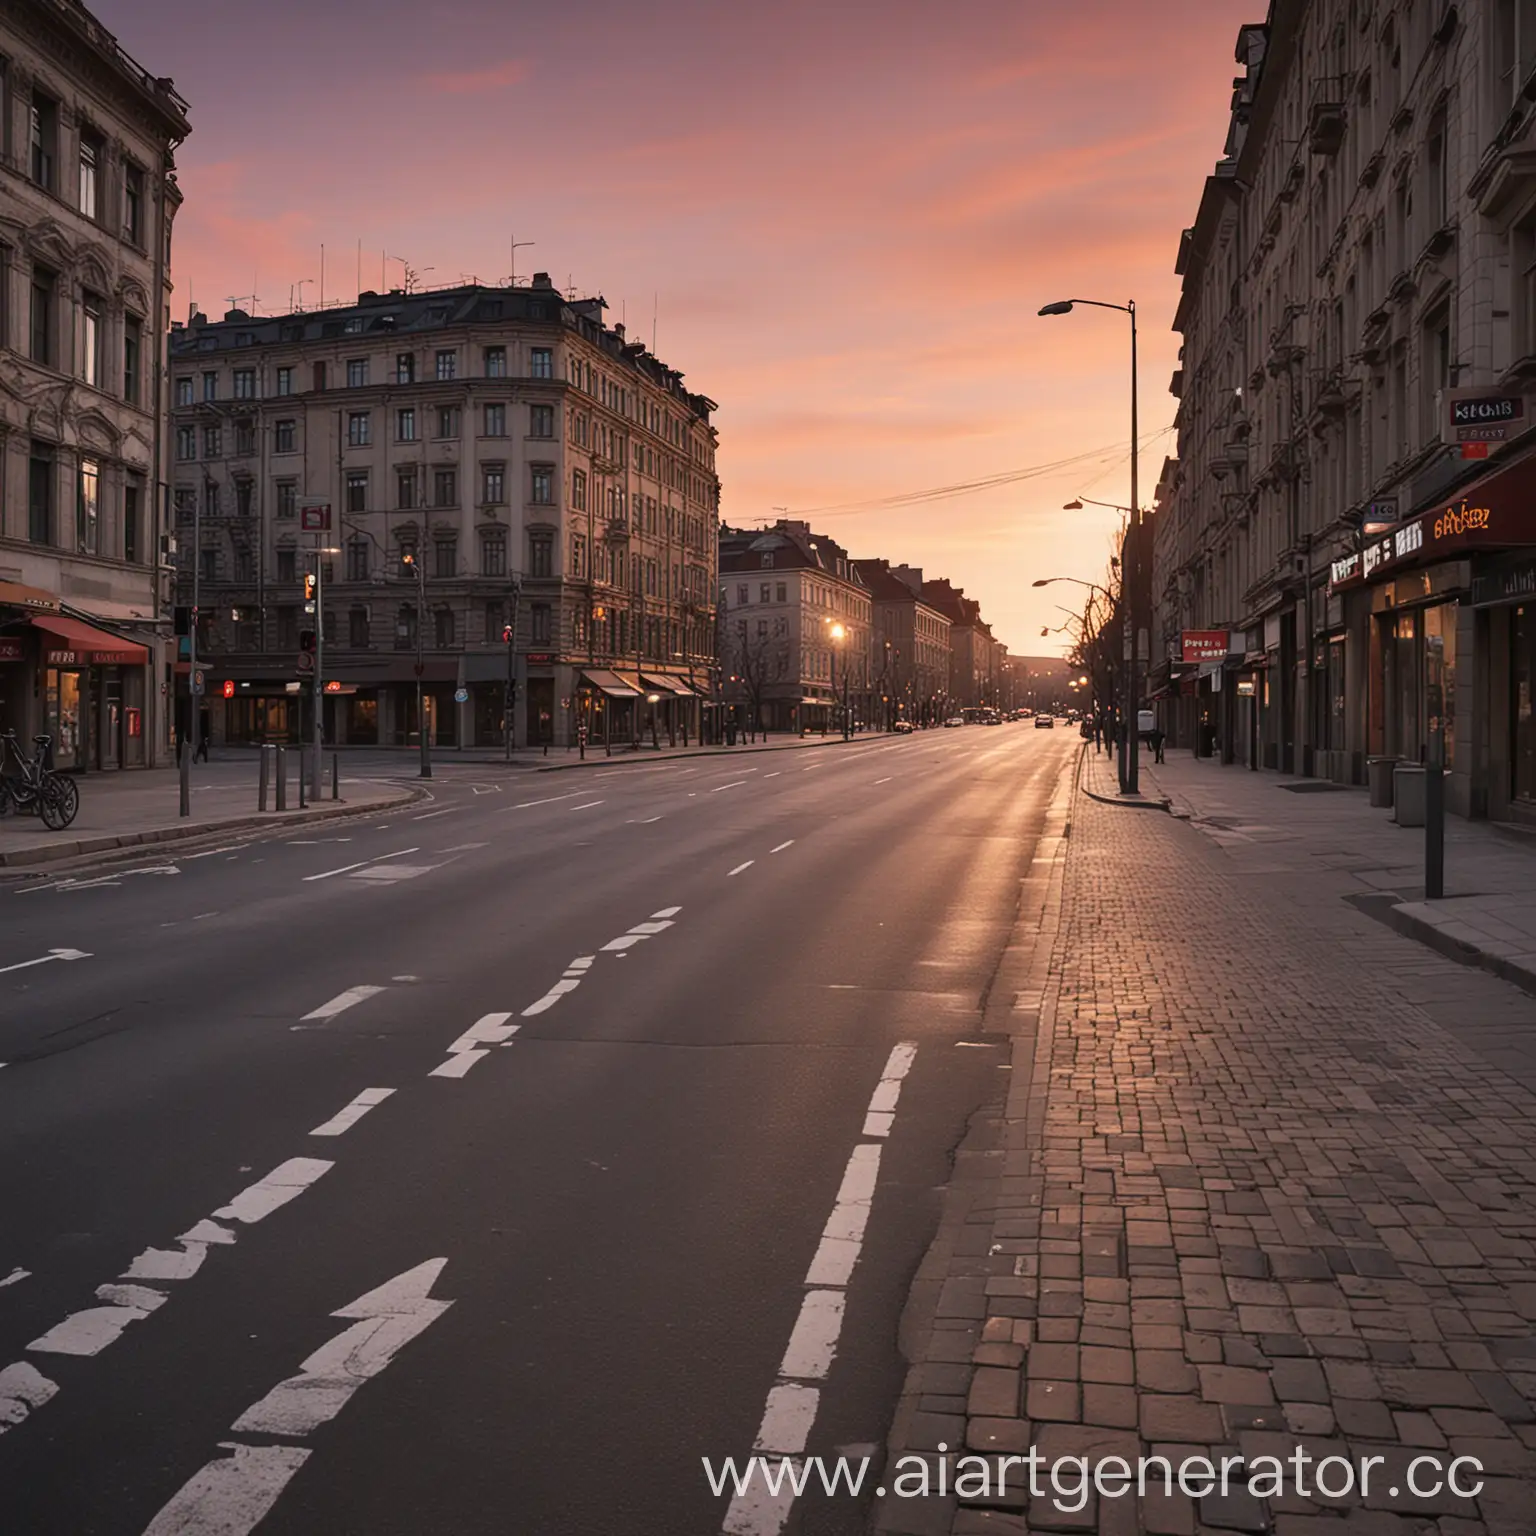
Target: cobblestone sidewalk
<point>1259,1191</point>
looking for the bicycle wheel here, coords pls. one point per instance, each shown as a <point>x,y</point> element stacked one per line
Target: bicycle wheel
<point>53,805</point>
<point>69,793</point>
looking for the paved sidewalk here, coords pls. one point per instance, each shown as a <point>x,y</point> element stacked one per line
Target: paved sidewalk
<point>1266,1180</point>
<point>141,806</point>
<point>1271,822</point>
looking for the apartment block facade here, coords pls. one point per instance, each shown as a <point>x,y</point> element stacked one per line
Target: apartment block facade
<point>1348,528</point>
<point>909,647</point>
<point>493,462</point>
<point>88,197</point>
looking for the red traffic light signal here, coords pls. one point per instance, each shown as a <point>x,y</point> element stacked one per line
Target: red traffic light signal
<point>309,586</point>
<point>506,633</point>
<point>229,687</point>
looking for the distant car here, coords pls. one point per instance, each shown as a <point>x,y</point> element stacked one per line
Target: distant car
<point>1044,723</point>
<point>903,727</point>
<point>1026,714</point>
<point>953,721</point>
<point>992,718</point>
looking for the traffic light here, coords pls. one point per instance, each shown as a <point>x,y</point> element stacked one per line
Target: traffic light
<point>229,687</point>
<point>506,633</point>
<point>309,586</point>
<point>307,641</point>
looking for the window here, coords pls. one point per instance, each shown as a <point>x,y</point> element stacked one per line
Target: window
<point>358,429</point>
<point>541,489</point>
<point>89,201</point>
<point>88,508</point>
<point>783,592</point>
<point>405,627</point>
<point>493,552</point>
<point>405,425</point>
<point>183,391</point>
<point>319,376</point>
<point>405,368</point>
<point>132,500</point>
<point>578,556</point>
<point>244,380</point>
<point>541,421</point>
<point>357,560</point>
<point>445,559</point>
<point>43,133</point>
<point>287,565</point>
<point>495,421</point>
<point>579,490</point>
<point>495,620</point>
<point>357,372</point>
<point>186,444</point>
<point>357,490</point>
<point>541,363</point>
<point>133,204</point>
<point>405,490</point>
<point>245,496</point>
<point>495,362</point>
<point>357,629</point>
<point>287,498</point>
<point>210,386</point>
<point>285,381</point>
<point>213,442</point>
<point>208,569</point>
<point>90,339</point>
<point>447,421</point>
<point>443,627</point>
<point>541,556</point>
<point>44,295</point>
<point>538,623</point>
<point>354,325</point>
<point>445,488</point>
<point>245,438</point>
<point>447,365</point>
<point>210,498</point>
<point>493,486</point>
<point>765,593</point>
<point>40,495</point>
<point>133,351</point>
<point>285,436</point>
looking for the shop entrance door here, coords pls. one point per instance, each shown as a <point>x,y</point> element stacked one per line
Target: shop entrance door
<point>111,721</point>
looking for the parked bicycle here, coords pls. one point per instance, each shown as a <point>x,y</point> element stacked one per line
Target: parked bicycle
<point>34,787</point>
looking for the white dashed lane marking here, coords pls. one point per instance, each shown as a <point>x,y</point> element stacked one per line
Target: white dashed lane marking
<point>740,867</point>
<point>345,1119</point>
<point>341,1002</point>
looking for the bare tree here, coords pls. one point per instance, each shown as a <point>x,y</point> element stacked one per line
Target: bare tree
<point>754,667</point>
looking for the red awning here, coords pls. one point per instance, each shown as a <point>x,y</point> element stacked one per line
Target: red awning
<point>78,644</point>
<point>14,595</point>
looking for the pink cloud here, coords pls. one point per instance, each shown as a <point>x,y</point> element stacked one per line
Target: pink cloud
<point>471,82</point>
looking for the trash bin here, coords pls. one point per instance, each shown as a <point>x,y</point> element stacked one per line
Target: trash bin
<point>1408,795</point>
<point>1378,774</point>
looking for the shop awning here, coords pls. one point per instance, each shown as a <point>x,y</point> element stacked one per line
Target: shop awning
<point>74,643</point>
<point>14,595</point>
<point>612,684</point>
<point>664,682</point>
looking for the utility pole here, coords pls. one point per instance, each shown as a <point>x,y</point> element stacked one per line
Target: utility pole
<point>413,559</point>
<point>509,698</point>
<point>192,695</point>
<point>317,685</point>
<point>1140,575</point>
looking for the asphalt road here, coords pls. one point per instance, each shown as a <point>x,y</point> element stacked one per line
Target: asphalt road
<point>619,1034</point>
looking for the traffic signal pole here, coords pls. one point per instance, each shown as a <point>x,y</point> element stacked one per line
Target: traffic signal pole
<point>318,685</point>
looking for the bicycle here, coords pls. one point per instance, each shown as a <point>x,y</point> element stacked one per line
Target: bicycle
<point>53,797</point>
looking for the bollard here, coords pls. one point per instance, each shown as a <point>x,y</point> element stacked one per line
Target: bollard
<point>281,763</point>
<point>335,776</point>
<point>303,776</point>
<point>262,772</point>
<point>1434,832</point>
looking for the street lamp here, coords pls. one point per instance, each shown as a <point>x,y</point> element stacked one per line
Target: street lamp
<point>419,571</point>
<point>1136,569</point>
<point>1079,502</point>
<point>838,634</point>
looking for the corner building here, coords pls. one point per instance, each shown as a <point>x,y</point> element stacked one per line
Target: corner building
<point>87,199</point>
<point>541,471</point>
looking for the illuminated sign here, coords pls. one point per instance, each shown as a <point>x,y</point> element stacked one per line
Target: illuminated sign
<point>1205,645</point>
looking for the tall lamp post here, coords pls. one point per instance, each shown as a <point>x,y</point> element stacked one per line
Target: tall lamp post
<point>838,634</point>
<point>411,559</point>
<point>1131,555</point>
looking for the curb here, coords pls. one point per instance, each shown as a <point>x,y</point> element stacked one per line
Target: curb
<point>1386,907</point>
<point>53,853</point>
<point>1139,804</point>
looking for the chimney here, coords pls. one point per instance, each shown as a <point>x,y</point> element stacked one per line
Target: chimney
<point>618,331</point>
<point>541,280</point>
<point>235,314</point>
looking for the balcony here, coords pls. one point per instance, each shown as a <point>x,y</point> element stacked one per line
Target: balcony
<point>1327,118</point>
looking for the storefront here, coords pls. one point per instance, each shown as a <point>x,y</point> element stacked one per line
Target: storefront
<point>1503,602</point>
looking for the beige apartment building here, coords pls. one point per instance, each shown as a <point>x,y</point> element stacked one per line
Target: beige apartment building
<point>1343,546</point>
<point>464,464</point>
<point>909,649</point>
<point>796,630</point>
<point>87,199</point>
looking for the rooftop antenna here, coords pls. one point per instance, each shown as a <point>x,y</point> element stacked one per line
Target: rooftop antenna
<point>359,266</point>
<point>514,245</point>
<point>296,293</point>
<point>655,309</point>
<point>322,274</point>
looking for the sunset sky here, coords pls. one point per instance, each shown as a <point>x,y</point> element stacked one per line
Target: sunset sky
<point>844,216</point>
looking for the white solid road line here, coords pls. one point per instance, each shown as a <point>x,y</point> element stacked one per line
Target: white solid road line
<point>399,853</point>
<point>588,806</point>
<point>523,805</point>
<point>346,1118</point>
<point>886,780</point>
<point>53,954</point>
<point>882,1103</point>
<point>231,1495</point>
<point>90,1331</point>
<point>782,846</point>
<point>341,1002</point>
<point>446,811</point>
<point>735,783</point>
<point>790,1413</point>
<point>740,867</point>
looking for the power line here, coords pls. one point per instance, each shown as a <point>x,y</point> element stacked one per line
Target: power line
<point>972,487</point>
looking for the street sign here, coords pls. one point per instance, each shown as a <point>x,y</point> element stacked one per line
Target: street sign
<point>197,681</point>
<point>315,517</point>
<point>1205,645</point>
<point>461,695</point>
<point>306,661</point>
